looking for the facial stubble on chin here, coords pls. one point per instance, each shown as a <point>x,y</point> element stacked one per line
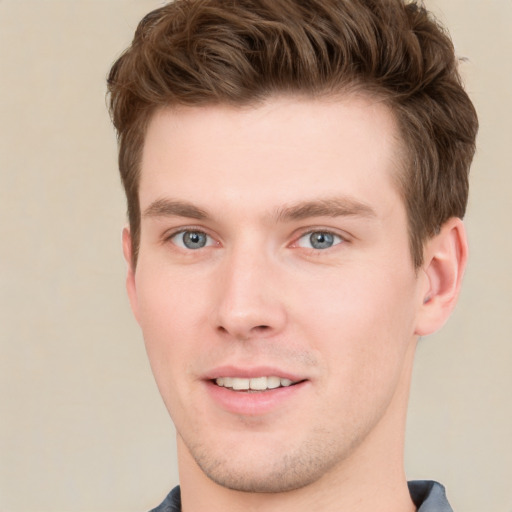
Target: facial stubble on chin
<point>292,470</point>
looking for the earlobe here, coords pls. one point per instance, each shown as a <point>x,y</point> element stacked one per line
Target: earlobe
<point>130,273</point>
<point>444,265</point>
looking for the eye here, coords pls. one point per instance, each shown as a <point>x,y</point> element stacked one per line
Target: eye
<point>191,239</point>
<point>319,240</point>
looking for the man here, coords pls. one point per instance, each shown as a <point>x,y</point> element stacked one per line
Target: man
<point>296,175</point>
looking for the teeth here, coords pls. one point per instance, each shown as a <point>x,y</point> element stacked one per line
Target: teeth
<point>255,384</point>
<point>273,382</point>
<point>240,384</point>
<point>258,384</point>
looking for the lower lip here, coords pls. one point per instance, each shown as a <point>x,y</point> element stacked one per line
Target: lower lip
<point>254,403</point>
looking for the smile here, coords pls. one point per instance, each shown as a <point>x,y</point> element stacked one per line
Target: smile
<point>255,392</point>
<point>253,384</point>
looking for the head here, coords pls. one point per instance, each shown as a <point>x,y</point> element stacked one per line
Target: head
<point>208,52</point>
<point>290,167</point>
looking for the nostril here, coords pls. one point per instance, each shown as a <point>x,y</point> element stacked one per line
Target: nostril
<point>245,334</point>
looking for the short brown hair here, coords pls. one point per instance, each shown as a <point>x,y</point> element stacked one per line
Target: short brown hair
<point>240,52</point>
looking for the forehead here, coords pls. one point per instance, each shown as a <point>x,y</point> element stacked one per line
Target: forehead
<point>281,151</point>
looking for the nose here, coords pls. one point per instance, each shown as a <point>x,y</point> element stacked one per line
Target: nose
<point>250,301</point>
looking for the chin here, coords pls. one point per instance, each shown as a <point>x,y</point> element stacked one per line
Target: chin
<point>267,471</point>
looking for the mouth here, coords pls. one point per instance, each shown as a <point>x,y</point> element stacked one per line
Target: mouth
<point>255,392</point>
<point>254,384</point>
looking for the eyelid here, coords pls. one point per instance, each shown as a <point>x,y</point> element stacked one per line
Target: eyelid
<point>336,234</point>
<point>168,236</point>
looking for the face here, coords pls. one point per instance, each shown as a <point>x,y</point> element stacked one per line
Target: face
<point>274,286</point>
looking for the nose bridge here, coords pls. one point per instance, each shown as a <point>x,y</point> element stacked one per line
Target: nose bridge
<point>249,301</point>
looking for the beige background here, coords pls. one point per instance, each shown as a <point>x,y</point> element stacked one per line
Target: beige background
<point>81,423</point>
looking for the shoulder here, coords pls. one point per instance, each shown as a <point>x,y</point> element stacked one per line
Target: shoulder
<point>172,502</point>
<point>429,496</point>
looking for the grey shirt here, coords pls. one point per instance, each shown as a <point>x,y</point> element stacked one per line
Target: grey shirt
<point>428,496</point>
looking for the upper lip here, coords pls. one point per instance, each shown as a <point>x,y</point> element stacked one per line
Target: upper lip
<point>251,373</point>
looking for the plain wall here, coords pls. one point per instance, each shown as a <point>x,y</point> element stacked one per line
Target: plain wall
<point>82,427</point>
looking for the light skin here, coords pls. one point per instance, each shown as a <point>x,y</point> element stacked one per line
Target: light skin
<point>274,244</point>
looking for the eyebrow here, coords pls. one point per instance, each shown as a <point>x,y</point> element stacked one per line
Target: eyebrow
<point>172,208</point>
<point>330,207</point>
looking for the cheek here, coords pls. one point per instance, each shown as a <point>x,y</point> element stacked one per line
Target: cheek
<point>361,322</point>
<point>169,311</point>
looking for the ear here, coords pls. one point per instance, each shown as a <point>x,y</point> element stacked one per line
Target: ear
<point>445,257</point>
<point>130,273</point>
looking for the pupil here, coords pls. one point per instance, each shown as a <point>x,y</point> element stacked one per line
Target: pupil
<point>321,240</point>
<point>194,240</point>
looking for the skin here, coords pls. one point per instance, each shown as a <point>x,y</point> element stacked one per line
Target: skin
<point>259,298</point>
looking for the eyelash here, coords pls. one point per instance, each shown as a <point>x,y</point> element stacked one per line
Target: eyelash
<point>321,231</point>
<point>169,237</point>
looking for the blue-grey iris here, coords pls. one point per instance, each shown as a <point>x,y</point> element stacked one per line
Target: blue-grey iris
<point>321,240</point>
<point>194,239</point>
